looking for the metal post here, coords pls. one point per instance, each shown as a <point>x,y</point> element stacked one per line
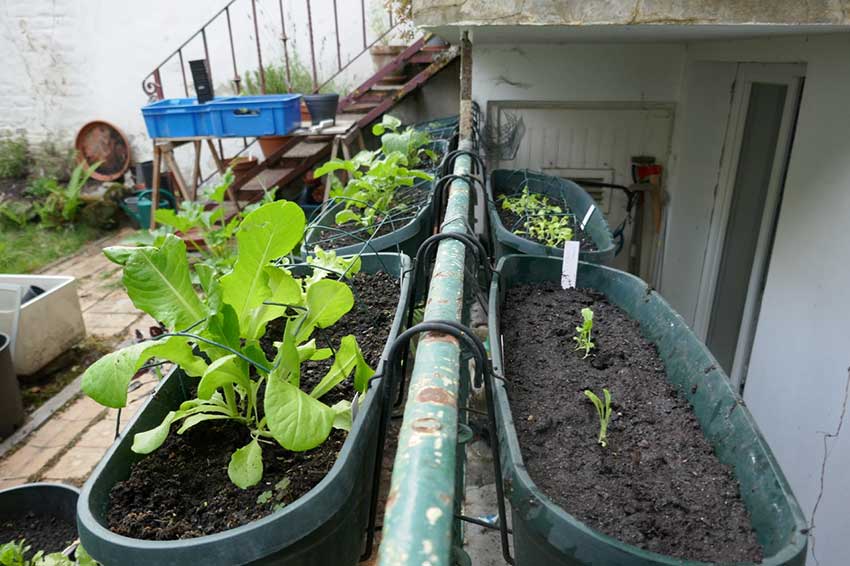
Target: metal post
<point>285,39</point>
<point>259,50</point>
<point>312,47</point>
<point>237,80</point>
<point>419,516</point>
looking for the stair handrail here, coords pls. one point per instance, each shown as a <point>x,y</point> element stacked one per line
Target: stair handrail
<point>152,82</point>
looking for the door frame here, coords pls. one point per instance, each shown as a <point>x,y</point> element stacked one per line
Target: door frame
<point>792,75</point>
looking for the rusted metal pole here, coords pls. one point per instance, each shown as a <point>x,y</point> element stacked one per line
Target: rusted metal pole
<point>312,46</point>
<point>207,54</point>
<point>465,87</point>
<point>336,28</point>
<point>237,80</point>
<point>285,39</point>
<point>259,50</point>
<point>419,517</point>
<point>183,71</point>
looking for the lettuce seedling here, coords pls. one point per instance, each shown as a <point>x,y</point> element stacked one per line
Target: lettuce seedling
<point>603,410</point>
<point>543,221</point>
<point>225,323</point>
<point>410,142</point>
<point>583,332</point>
<point>15,554</point>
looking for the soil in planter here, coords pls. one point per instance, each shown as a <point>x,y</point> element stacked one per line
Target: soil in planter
<point>658,484</point>
<point>513,222</point>
<point>42,532</point>
<point>412,198</point>
<point>182,490</point>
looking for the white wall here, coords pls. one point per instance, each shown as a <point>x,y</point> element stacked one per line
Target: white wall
<point>799,365</point>
<point>67,63</point>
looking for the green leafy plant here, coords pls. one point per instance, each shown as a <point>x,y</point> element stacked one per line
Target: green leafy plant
<point>14,158</point>
<point>374,179</point>
<point>61,203</point>
<point>15,212</point>
<point>543,221</point>
<point>603,410</point>
<point>410,142</point>
<point>300,79</point>
<point>15,554</point>
<point>209,223</point>
<point>226,324</point>
<point>582,337</point>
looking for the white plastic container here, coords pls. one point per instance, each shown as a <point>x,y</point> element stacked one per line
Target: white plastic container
<point>48,324</point>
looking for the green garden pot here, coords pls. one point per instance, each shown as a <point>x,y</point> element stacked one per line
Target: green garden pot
<point>406,238</point>
<point>42,498</point>
<point>325,526</point>
<point>505,242</point>
<point>544,533</point>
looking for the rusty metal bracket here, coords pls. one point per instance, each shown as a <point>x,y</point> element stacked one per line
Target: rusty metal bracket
<point>483,373</point>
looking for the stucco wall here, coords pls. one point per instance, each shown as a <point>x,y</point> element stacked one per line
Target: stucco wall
<point>581,12</point>
<point>66,63</point>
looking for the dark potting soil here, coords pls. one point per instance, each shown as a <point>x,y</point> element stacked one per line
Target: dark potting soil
<point>513,222</point>
<point>42,532</point>
<point>411,198</point>
<point>182,490</point>
<point>658,484</point>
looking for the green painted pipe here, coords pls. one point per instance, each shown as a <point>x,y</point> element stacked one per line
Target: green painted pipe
<point>419,515</point>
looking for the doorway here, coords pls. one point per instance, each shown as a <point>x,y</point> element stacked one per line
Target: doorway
<point>752,175</point>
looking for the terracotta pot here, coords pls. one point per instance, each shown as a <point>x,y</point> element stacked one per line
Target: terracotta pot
<point>305,112</point>
<point>270,144</point>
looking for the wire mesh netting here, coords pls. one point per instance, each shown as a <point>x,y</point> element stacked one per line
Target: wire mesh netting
<point>500,140</point>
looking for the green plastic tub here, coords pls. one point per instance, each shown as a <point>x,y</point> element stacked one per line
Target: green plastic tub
<point>544,533</point>
<point>325,526</point>
<point>406,238</point>
<point>54,499</point>
<point>559,191</point>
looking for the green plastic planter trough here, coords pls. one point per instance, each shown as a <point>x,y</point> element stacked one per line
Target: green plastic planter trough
<point>505,242</point>
<point>546,534</point>
<point>41,498</point>
<point>325,526</point>
<point>406,238</point>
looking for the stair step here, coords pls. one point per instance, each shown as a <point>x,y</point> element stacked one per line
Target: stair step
<point>265,180</point>
<point>304,149</point>
<point>363,107</point>
<point>384,88</point>
<point>423,57</point>
<point>394,79</point>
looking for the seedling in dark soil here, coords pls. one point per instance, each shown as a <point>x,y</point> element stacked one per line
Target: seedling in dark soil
<point>544,222</point>
<point>604,412</point>
<point>15,554</point>
<point>583,337</point>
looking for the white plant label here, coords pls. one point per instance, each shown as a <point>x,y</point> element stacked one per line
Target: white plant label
<point>587,215</point>
<point>569,270</point>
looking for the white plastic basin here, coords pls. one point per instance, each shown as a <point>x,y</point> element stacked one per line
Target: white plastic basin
<point>48,325</point>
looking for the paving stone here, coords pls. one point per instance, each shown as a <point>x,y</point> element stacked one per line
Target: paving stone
<point>6,483</point>
<point>76,464</point>
<point>143,325</point>
<point>100,435</point>
<point>108,325</point>
<point>26,461</point>
<point>56,433</point>
<point>83,409</point>
<point>116,302</point>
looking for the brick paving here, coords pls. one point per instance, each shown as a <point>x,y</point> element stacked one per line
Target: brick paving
<point>68,446</point>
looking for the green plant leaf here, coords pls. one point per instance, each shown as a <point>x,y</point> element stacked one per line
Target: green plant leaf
<point>193,420</point>
<point>169,217</point>
<point>225,370</point>
<point>327,301</point>
<point>148,441</point>
<point>180,352</point>
<point>157,281</point>
<point>334,165</point>
<point>83,558</point>
<point>285,290</point>
<point>246,465</point>
<point>297,421</point>
<point>267,233</point>
<point>120,254</point>
<point>342,415</point>
<point>348,356</point>
<point>107,379</point>
<point>345,216</point>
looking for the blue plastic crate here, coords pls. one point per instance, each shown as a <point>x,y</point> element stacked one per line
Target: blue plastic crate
<point>177,118</point>
<point>252,116</point>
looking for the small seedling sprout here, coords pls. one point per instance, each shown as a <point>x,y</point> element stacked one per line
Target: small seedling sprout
<point>604,412</point>
<point>583,338</point>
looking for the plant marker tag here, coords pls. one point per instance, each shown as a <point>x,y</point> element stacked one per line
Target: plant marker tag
<point>569,270</point>
<point>587,215</point>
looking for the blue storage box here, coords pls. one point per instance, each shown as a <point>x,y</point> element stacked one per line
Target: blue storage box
<point>252,116</point>
<point>177,118</point>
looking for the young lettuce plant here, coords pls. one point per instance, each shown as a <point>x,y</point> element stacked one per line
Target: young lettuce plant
<point>209,223</point>
<point>583,332</point>
<point>410,142</point>
<point>373,181</point>
<point>603,410</point>
<point>226,324</point>
<point>544,221</point>
<point>15,554</point>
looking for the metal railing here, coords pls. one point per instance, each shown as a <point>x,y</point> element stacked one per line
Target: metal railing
<point>153,85</point>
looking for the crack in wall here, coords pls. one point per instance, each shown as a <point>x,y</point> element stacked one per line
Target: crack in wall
<point>826,454</point>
